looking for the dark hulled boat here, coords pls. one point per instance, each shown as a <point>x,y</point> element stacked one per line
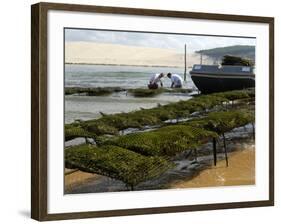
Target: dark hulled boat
<point>234,73</point>
<point>215,78</point>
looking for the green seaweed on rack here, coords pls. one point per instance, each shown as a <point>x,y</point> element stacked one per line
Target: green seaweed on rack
<point>172,139</point>
<point>237,94</point>
<point>223,121</point>
<point>141,156</point>
<point>139,92</point>
<point>75,131</point>
<point>92,91</point>
<point>116,162</point>
<point>113,123</point>
<point>165,141</point>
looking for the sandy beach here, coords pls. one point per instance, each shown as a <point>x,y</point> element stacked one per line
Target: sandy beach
<point>241,171</point>
<point>97,53</point>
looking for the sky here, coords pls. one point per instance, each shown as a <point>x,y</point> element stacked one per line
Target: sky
<point>167,41</point>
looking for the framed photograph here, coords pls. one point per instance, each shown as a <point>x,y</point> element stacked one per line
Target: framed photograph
<point>139,111</point>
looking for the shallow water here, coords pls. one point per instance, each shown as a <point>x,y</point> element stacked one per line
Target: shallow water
<point>89,107</point>
<point>121,76</point>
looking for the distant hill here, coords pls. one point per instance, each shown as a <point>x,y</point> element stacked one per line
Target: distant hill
<point>244,51</point>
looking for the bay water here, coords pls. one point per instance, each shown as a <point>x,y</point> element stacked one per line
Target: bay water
<point>127,77</point>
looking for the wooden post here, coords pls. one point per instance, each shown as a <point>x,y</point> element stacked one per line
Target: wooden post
<point>215,151</point>
<point>253,125</point>
<point>225,150</point>
<point>185,62</point>
<point>196,154</point>
<point>86,140</point>
<point>201,58</point>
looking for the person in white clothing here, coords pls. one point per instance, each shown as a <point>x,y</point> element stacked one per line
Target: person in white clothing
<point>154,80</point>
<point>176,80</point>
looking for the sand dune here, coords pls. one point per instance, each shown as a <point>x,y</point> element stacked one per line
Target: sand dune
<point>115,54</point>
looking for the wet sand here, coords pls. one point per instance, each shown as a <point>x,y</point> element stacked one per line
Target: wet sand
<point>241,171</point>
<point>76,178</point>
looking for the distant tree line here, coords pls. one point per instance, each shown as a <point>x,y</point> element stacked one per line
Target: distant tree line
<point>244,51</point>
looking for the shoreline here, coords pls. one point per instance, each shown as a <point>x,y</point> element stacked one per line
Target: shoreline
<point>132,65</point>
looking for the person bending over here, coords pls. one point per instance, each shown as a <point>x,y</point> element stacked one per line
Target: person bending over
<point>154,80</point>
<point>176,80</point>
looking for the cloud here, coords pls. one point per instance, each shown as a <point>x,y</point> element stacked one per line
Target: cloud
<point>168,41</point>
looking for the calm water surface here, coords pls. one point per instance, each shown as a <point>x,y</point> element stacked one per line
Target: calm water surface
<point>89,107</point>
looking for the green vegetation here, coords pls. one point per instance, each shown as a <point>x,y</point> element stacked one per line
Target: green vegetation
<point>104,91</point>
<point>112,124</point>
<point>165,141</point>
<point>233,60</point>
<point>223,121</point>
<point>172,139</point>
<point>141,156</point>
<point>145,92</point>
<point>75,131</point>
<point>140,92</point>
<point>115,162</point>
<point>93,91</point>
<point>237,94</point>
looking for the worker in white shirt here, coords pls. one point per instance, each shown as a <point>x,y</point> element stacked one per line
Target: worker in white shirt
<point>154,80</point>
<point>176,80</point>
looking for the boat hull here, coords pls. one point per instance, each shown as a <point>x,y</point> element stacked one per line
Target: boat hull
<point>209,83</point>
